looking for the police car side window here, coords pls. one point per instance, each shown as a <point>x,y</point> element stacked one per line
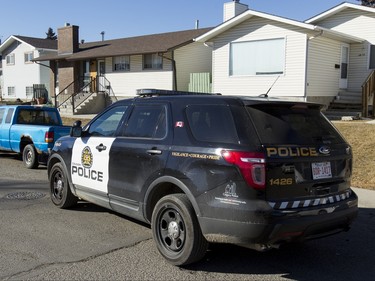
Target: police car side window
<point>106,125</point>
<point>147,122</point>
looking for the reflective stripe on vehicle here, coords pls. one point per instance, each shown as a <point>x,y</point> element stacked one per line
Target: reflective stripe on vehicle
<point>283,205</point>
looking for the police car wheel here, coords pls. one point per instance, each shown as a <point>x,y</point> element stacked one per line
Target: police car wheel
<point>29,157</point>
<point>176,230</point>
<point>61,194</point>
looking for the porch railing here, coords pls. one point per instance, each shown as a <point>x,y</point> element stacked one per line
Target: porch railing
<point>368,100</point>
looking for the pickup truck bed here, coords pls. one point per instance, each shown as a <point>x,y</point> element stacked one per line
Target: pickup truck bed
<point>30,131</point>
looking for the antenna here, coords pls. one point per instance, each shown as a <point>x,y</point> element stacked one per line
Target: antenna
<point>266,94</point>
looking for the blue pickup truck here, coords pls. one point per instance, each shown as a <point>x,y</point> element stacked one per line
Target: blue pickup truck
<point>30,131</point>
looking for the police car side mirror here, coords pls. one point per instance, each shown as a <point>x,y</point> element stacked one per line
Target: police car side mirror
<point>76,129</point>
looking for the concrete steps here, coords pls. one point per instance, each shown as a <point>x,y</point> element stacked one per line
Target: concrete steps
<point>346,106</point>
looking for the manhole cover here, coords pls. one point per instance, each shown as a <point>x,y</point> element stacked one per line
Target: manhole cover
<point>25,195</point>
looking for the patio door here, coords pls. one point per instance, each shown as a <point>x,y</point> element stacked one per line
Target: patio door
<point>344,67</point>
<point>101,75</point>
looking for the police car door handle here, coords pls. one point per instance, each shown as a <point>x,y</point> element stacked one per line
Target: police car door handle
<point>154,151</point>
<point>101,147</point>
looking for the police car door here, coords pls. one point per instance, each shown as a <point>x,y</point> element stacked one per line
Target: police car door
<point>90,157</point>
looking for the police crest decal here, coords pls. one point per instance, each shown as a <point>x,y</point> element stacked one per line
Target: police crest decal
<point>86,157</point>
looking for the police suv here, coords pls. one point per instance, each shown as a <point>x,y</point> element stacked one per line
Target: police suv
<point>201,168</point>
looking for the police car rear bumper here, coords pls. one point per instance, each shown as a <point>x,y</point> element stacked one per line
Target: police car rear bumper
<point>281,227</point>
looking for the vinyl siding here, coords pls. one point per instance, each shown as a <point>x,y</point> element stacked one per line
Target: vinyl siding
<point>360,24</point>
<point>21,74</point>
<point>126,83</point>
<point>193,58</point>
<point>289,84</point>
<point>323,78</point>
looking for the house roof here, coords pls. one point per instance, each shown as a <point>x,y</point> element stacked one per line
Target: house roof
<point>154,43</point>
<point>251,13</point>
<point>337,9</point>
<point>37,43</point>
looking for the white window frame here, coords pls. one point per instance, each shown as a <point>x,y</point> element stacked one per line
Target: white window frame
<point>29,91</point>
<point>10,59</point>
<point>121,63</point>
<point>11,91</point>
<point>156,62</point>
<point>257,57</point>
<point>29,56</point>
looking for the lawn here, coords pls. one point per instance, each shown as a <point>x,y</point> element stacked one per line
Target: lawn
<point>360,135</point>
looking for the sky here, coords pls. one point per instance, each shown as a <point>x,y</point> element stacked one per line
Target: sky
<point>127,18</point>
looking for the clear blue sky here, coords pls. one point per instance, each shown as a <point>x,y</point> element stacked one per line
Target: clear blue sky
<point>126,18</point>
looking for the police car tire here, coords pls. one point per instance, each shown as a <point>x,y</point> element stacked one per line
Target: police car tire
<point>30,157</point>
<point>60,192</point>
<point>175,213</point>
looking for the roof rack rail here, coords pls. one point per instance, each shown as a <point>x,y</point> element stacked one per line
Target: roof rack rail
<point>160,92</point>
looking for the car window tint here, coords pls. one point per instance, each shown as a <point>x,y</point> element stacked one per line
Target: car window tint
<point>37,117</point>
<point>147,122</point>
<point>212,123</point>
<point>107,123</point>
<point>292,124</point>
<point>2,111</point>
<point>9,115</point>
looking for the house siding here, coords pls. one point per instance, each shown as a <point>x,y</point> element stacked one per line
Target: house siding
<point>322,76</point>
<point>360,24</point>
<point>21,74</point>
<point>126,83</point>
<point>289,84</point>
<point>193,58</point>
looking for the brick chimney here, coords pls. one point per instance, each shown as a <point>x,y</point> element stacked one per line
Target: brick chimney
<point>233,8</point>
<point>68,39</point>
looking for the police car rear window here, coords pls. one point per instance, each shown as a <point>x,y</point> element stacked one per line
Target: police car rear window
<point>292,124</point>
<point>212,123</point>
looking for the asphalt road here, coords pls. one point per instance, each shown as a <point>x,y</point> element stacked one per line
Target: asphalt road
<point>41,242</point>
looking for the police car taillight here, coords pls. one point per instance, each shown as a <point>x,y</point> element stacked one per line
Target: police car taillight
<point>251,164</point>
<point>48,137</point>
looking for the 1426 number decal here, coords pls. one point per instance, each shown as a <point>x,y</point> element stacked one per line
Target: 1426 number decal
<point>283,181</point>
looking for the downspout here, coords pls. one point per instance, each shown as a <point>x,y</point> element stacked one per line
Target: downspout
<point>307,58</point>
<point>174,86</point>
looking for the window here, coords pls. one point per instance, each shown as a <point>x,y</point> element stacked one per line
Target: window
<point>11,91</point>
<point>29,91</point>
<point>2,111</point>
<point>29,57</point>
<point>10,59</point>
<point>147,122</point>
<point>372,57</point>
<point>121,63</point>
<point>38,117</point>
<point>8,119</point>
<point>107,124</point>
<point>152,61</point>
<point>264,57</point>
<point>212,123</point>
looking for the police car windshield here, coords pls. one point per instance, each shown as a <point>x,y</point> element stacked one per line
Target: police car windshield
<point>291,124</point>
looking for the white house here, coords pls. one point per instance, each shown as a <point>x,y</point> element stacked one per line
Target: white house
<point>256,53</point>
<point>19,71</point>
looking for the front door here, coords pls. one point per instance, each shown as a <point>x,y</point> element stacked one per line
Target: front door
<point>101,75</point>
<point>344,67</point>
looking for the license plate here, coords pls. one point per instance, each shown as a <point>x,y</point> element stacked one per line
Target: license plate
<point>321,170</point>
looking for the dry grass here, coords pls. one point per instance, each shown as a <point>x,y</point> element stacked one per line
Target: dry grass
<point>361,137</point>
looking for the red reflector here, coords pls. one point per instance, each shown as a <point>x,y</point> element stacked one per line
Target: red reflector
<point>251,164</point>
<point>49,137</point>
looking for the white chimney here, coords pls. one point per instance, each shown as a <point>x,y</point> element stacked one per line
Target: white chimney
<point>233,8</point>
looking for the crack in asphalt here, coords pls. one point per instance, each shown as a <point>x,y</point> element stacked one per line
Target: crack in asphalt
<point>19,275</point>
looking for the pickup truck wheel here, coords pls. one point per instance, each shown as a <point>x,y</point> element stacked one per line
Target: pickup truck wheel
<point>30,157</point>
<point>60,192</point>
<point>176,230</point>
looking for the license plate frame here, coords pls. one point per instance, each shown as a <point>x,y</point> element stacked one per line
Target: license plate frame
<point>321,170</point>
